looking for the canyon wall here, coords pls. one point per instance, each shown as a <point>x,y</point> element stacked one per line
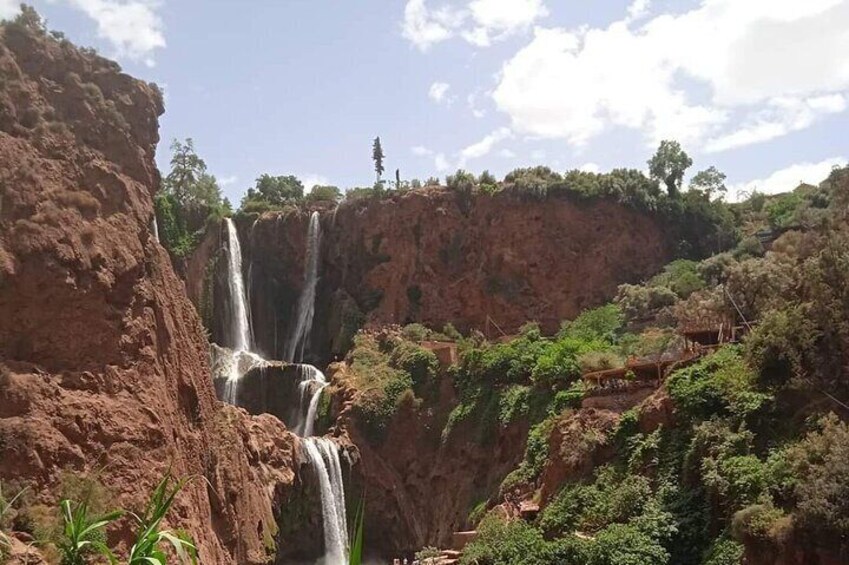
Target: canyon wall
<point>484,262</point>
<point>103,362</point>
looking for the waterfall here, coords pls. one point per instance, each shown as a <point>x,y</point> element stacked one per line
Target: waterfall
<point>239,338</point>
<point>306,302</point>
<point>324,458</point>
<point>322,453</point>
<point>154,227</point>
<point>311,383</point>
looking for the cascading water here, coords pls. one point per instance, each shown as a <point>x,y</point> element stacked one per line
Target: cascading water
<point>306,302</point>
<point>322,453</point>
<point>312,382</point>
<point>324,458</point>
<point>239,337</point>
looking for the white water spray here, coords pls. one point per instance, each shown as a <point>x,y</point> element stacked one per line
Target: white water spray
<point>240,338</point>
<point>306,302</point>
<point>324,457</point>
<point>312,382</point>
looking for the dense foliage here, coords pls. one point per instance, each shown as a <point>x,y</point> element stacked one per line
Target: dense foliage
<point>189,199</point>
<point>757,457</point>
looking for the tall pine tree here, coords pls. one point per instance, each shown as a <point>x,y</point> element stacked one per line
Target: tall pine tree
<point>377,155</point>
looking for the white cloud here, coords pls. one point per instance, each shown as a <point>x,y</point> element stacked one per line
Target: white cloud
<point>589,168</point>
<point>479,22</point>
<point>438,92</point>
<point>506,153</point>
<point>421,151</point>
<point>9,9</point>
<point>638,9</point>
<point>441,162</point>
<point>310,180</point>
<point>497,19</point>
<point>782,116</point>
<point>424,27</point>
<point>484,146</point>
<point>689,76</point>
<point>787,179</point>
<point>227,181</point>
<point>472,101</point>
<point>133,28</point>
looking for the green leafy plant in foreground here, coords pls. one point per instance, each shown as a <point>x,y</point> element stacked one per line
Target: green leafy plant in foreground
<point>355,556</point>
<point>5,508</point>
<point>147,549</point>
<point>82,535</point>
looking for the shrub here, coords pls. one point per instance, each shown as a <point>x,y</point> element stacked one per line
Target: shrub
<point>507,543</point>
<point>7,511</point>
<point>589,508</point>
<point>621,544</point>
<point>599,361</point>
<point>461,181</point>
<point>749,247</point>
<point>681,277</point>
<point>514,403</point>
<point>603,323</point>
<point>781,210</point>
<point>779,344</point>
<point>569,398</point>
<point>415,332</point>
<point>380,384</point>
<point>821,465</point>
<point>724,551</point>
<point>421,364</point>
<point>758,523</point>
<point>641,303</point>
<point>720,384</point>
<point>533,182</point>
<point>427,553</point>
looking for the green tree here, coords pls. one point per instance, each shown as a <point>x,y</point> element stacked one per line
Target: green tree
<point>275,190</point>
<point>322,193</point>
<point>711,182</point>
<point>378,156</point>
<point>669,164</point>
<point>188,180</point>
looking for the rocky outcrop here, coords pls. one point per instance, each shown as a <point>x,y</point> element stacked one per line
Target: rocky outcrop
<point>419,488</point>
<point>487,262</point>
<point>103,361</point>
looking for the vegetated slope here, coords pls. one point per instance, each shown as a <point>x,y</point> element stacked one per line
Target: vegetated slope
<point>741,454</point>
<point>103,364</point>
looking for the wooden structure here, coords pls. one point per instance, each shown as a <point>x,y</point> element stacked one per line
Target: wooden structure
<point>636,374</point>
<point>700,338</point>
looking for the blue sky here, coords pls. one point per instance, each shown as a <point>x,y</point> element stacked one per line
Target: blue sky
<point>758,88</point>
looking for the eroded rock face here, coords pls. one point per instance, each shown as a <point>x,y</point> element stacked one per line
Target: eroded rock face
<point>418,487</point>
<point>103,363</point>
<point>490,263</point>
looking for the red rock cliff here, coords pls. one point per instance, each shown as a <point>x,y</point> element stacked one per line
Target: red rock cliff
<point>490,262</point>
<point>103,363</point>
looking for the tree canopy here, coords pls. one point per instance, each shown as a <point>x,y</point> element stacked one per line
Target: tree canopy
<point>188,180</point>
<point>669,164</point>
<point>275,190</point>
<point>710,181</point>
<point>322,193</point>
